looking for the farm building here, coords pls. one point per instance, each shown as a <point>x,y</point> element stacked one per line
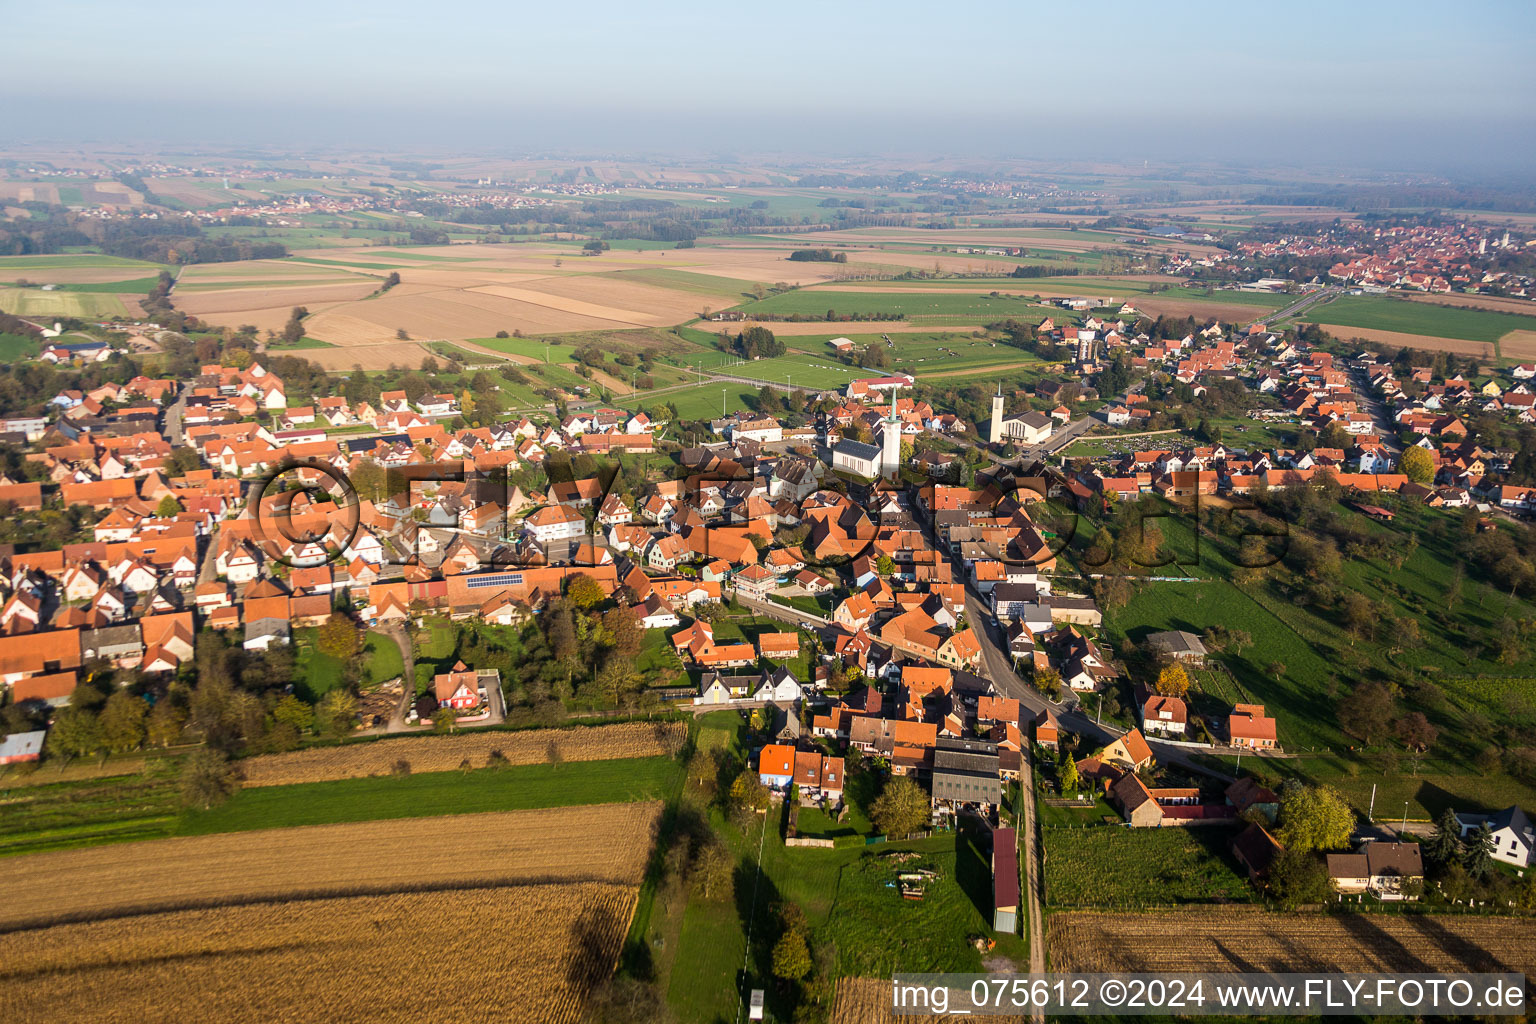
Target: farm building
<point>1179,645</point>
<point>965,776</point>
<point>1256,850</point>
<point>21,746</point>
<point>1005,881</point>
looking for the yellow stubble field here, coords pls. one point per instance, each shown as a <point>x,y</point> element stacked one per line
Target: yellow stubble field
<point>484,917</point>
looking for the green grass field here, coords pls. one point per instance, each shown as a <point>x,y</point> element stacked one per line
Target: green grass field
<point>18,346</point>
<point>798,371</point>
<point>59,815</point>
<point>1382,313</point>
<point>36,302</point>
<point>1126,868</point>
<point>318,672</point>
<point>302,343</point>
<point>521,787</point>
<point>682,281</point>
<point>137,285</point>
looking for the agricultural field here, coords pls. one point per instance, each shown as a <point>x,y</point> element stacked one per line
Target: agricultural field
<point>73,267</point>
<point>325,917</point>
<point>917,306</point>
<point>340,960</point>
<point>1151,867</point>
<point>412,853</point>
<point>145,804</point>
<point>53,809</point>
<point>1382,313</point>
<point>1250,939</point>
<point>930,354</point>
<point>34,302</point>
<point>447,753</point>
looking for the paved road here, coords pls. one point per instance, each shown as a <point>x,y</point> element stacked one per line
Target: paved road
<point>173,420</point>
<point>207,570</point>
<point>1304,303</point>
<point>1373,405</point>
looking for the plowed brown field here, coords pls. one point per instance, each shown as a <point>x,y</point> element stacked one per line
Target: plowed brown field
<point>1241,939</point>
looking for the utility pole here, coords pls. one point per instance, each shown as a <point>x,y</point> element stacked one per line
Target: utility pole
<point>1370,811</point>
<point>722,403</point>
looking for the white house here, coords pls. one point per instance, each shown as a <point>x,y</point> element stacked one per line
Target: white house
<point>1514,837</point>
<point>555,522</point>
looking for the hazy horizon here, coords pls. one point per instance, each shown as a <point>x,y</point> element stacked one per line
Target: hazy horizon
<point>1363,85</point>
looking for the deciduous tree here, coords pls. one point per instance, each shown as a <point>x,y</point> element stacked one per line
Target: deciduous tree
<point>1367,712</point>
<point>122,721</point>
<point>901,808</point>
<point>1173,681</point>
<point>338,637</point>
<point>585,592</point>
<point>1314,818</point>
<point>1416,464</point>
<point>208,778</point>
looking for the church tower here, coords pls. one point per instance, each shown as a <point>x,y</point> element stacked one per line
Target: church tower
<point>890,442</point>
<point>996,435</point>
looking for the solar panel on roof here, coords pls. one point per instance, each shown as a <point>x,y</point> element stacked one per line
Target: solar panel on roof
<point>500,579</point>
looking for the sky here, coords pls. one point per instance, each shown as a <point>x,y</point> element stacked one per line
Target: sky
<point>1362,84</point>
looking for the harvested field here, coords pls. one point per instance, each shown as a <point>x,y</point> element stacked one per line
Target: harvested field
<point>581,307</point>
<point>1236,939</point>
<point>1397,339</point>
<point>365,858</point>
<point>868,1001</point>
<point>1518,345</point>
<point>664,306</point>
<point>369,357</point>
<point>331,922</point>
<point>236,300</point>
<point>446,753</point>
<point>446,315</point>
<point>1200,309</point>
<point>439,956</point>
